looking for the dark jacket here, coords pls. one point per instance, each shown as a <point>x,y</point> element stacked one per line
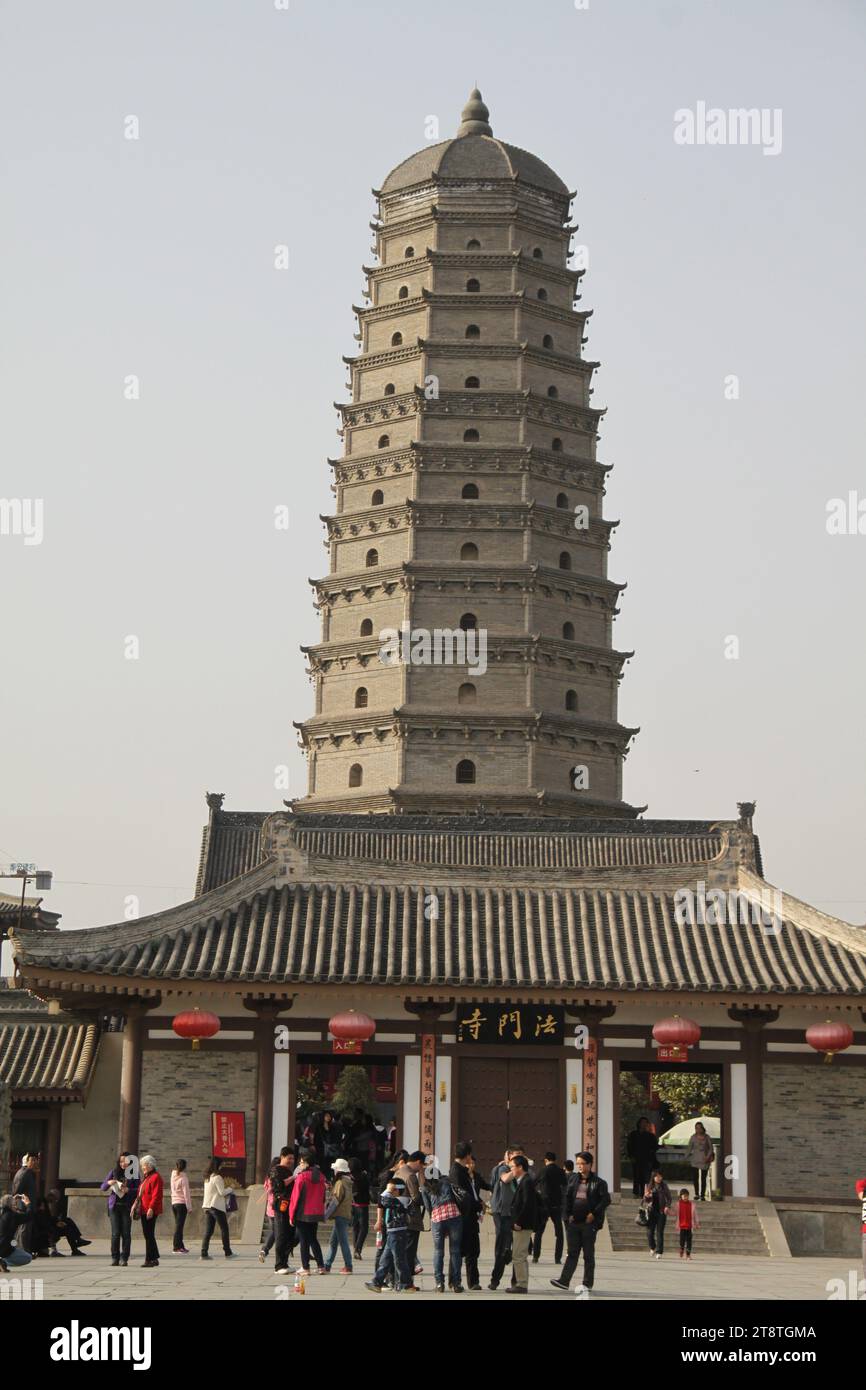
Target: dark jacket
<point>524,1208</point>
<point>550,1187</point>
<point>597,1197</point>
<point>26,1183</point>
<point>641,1147</point>
<point>10,1220</point>
<point>281,1186</point>
<point>395,1212</point>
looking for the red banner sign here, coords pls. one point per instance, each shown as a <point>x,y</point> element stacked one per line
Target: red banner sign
<point>428,1093</point>
<point>353,1045</point>
<point>673,1052</point>
<point>227,1128</point>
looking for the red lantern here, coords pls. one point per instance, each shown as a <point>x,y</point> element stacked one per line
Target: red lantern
<point>352,1026</point>
<point>829,1038</point>
<point>676,1032</point>
<point>196,1024</point>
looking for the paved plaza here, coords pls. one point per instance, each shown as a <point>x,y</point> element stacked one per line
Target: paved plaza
<point>625,1275</point>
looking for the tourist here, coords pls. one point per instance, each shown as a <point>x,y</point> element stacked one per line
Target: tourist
<point>360,1206</point>
<point>282,1181</point>
<point>64,1227</point>
<point>568,1165</point>
<point>26,1184</point>
<point>215,1209</point>
<point>43,1233</point>
<point>446,1223</point>
<point>307,1208</point>
<point>181,1204</point>
<point>641,1147</point>
<point>502,1191</point>
<point>269,1213</point>
<point>860,1190</point>
<point>121,1188</point>
<point>524,1218</point>
<point>15,1216</point>
<point>467,1183</point>
<point>687,1222</point>
<point>411,1172</point>
<point>341,1202</point>
<point>657,1201</point>
<point>700,1155</point>
<point>394,1264</point>
<point>391,1138</point>
<point>148,1203</point>
<point>586,1201</point>
<point>382,1182</point>
<point>550,1188</point>
<point>328,1140</point>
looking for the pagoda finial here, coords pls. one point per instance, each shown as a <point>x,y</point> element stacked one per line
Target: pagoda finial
<point>475,117</point>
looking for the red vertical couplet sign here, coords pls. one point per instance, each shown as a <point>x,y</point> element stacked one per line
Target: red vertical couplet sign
<point>428,1092</point>
<point>228,1134</point>
<point>590,1097</point>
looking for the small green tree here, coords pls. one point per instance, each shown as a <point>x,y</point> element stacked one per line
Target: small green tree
<point>689,1093</point>
<point>633,1102</point>
<point>309,1096</point>
<point>354,1095</point>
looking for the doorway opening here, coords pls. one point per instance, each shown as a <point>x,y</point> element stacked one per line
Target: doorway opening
<point>673,1097</point>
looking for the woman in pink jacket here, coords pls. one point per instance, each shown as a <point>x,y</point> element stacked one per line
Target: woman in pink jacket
<point>181,1204</point>
<point>307,1208</point>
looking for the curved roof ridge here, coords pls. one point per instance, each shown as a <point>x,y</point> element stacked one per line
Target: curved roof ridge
<point>809,918</point>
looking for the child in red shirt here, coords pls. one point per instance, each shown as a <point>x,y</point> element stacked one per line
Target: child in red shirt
<point>687,1222</point>
<point>860,1189</point>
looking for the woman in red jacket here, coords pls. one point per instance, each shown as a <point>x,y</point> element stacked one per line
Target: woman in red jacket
<point>307,1208</point>
<point>149,1203</point>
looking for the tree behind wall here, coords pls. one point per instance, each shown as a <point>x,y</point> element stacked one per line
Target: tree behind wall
<point>689,1094</point>
<point>354,1094</point>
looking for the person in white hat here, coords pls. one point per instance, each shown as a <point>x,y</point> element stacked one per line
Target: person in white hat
<point>340,1209</point>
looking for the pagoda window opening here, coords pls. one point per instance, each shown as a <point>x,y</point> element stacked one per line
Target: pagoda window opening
<point>367,627</point>
<point>409,253</point>
<point>378,498</point>
<point>471,436</point>
<point>542,294</point>
<point>547,341</point>
<point>384,441</point>
<point>473,331</point>
<point>473,286</point>
<point>472,383</point>
<point>552,392</point>
<point>468,622</point>
<point>564,560</point>
<point>571,699</point>
<point>470,491</point>
<point>465,772</point>
<point>467,694</point>
<point>396,339</point>
<point>562,500</point>
<point>403,292</point>
<point>361,697</point>
<point>356,775</point>
<point>537,254</point>
<point>372,558</point>
<point>473,244</point>
<point>469,551</point>
<point>568,632</point>
<point>390,389</point>
<point>556,446</point>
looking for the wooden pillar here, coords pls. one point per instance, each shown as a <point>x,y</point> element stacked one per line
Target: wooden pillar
<point>428,1013</point>
<point>135,1014</point>
<point>266,1011</point>
<point>51,1158</point>
<point>591,1016</point>
<point>753,1022</point>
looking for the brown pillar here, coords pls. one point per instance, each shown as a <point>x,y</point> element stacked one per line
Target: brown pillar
<point>592,1016</point>
<point>51,1158</point>
<point>266,1011</point>
<point>753,1022</point>
<point>130,1074</point>
<point>428,1012</point>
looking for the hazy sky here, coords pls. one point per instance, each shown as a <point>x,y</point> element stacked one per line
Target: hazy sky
<point>154,257</point>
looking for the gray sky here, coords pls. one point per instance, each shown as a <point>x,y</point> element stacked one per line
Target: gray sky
<point>155,257</point>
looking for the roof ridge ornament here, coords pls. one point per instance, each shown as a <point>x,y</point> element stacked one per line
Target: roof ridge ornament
<point>475,117</point>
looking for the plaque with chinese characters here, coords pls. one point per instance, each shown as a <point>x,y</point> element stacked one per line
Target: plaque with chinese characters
<point>511,1023</point>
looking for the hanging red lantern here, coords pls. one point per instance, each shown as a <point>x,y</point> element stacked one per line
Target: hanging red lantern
<point>676,1032</point>
<point>196,1024</point>
<point>350,1030</point>
<point>829,1038</point>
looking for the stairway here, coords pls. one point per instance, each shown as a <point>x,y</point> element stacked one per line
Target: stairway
<point>731,1227</point>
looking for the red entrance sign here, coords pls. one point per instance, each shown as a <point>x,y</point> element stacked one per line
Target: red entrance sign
<point>227,1127</point>
<point>672,1052</point>
<point>353,1045</point>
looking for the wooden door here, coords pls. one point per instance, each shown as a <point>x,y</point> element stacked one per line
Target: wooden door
<point>483,1108</point>
<point>509,1101</point>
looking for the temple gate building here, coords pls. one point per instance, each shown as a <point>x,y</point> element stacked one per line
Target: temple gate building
<point>464,868</point>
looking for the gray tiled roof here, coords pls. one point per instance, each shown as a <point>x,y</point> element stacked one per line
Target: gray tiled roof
<point>42,1053</point>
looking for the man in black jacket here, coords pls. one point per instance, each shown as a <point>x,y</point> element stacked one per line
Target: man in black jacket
<point>550,1189</point>
<point>467,1184</point>
<point>586,1200</point>
<point>282,1177</point>
<point>524,1217</point>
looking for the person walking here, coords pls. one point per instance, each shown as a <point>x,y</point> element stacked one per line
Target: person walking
<point>270,1238</point>
<point>215,1210</point>
<point>550,1187</point>
<point>657,1200</point>
<point>700,1155</point>
<point>501,1179</point>
<point>341,1201</point>
<point>641,1147</point>
<point>15,1216</point>
<point>122,1189</point>
<point>524,1218</point>
<point>282,1179</point>
<point>360,1206</point>
<point>687,1222</point>
<point>394,1201</point>
<point>446,1223</point>
<point>586,1201</point>
<point>181,1205</point>
<point>307,1208</point>
<point>411,1172</point>
<point>149,1203</point>
<point>26,1184</point>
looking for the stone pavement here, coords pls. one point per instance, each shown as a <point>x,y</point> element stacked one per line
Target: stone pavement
<point>625,1275</point>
